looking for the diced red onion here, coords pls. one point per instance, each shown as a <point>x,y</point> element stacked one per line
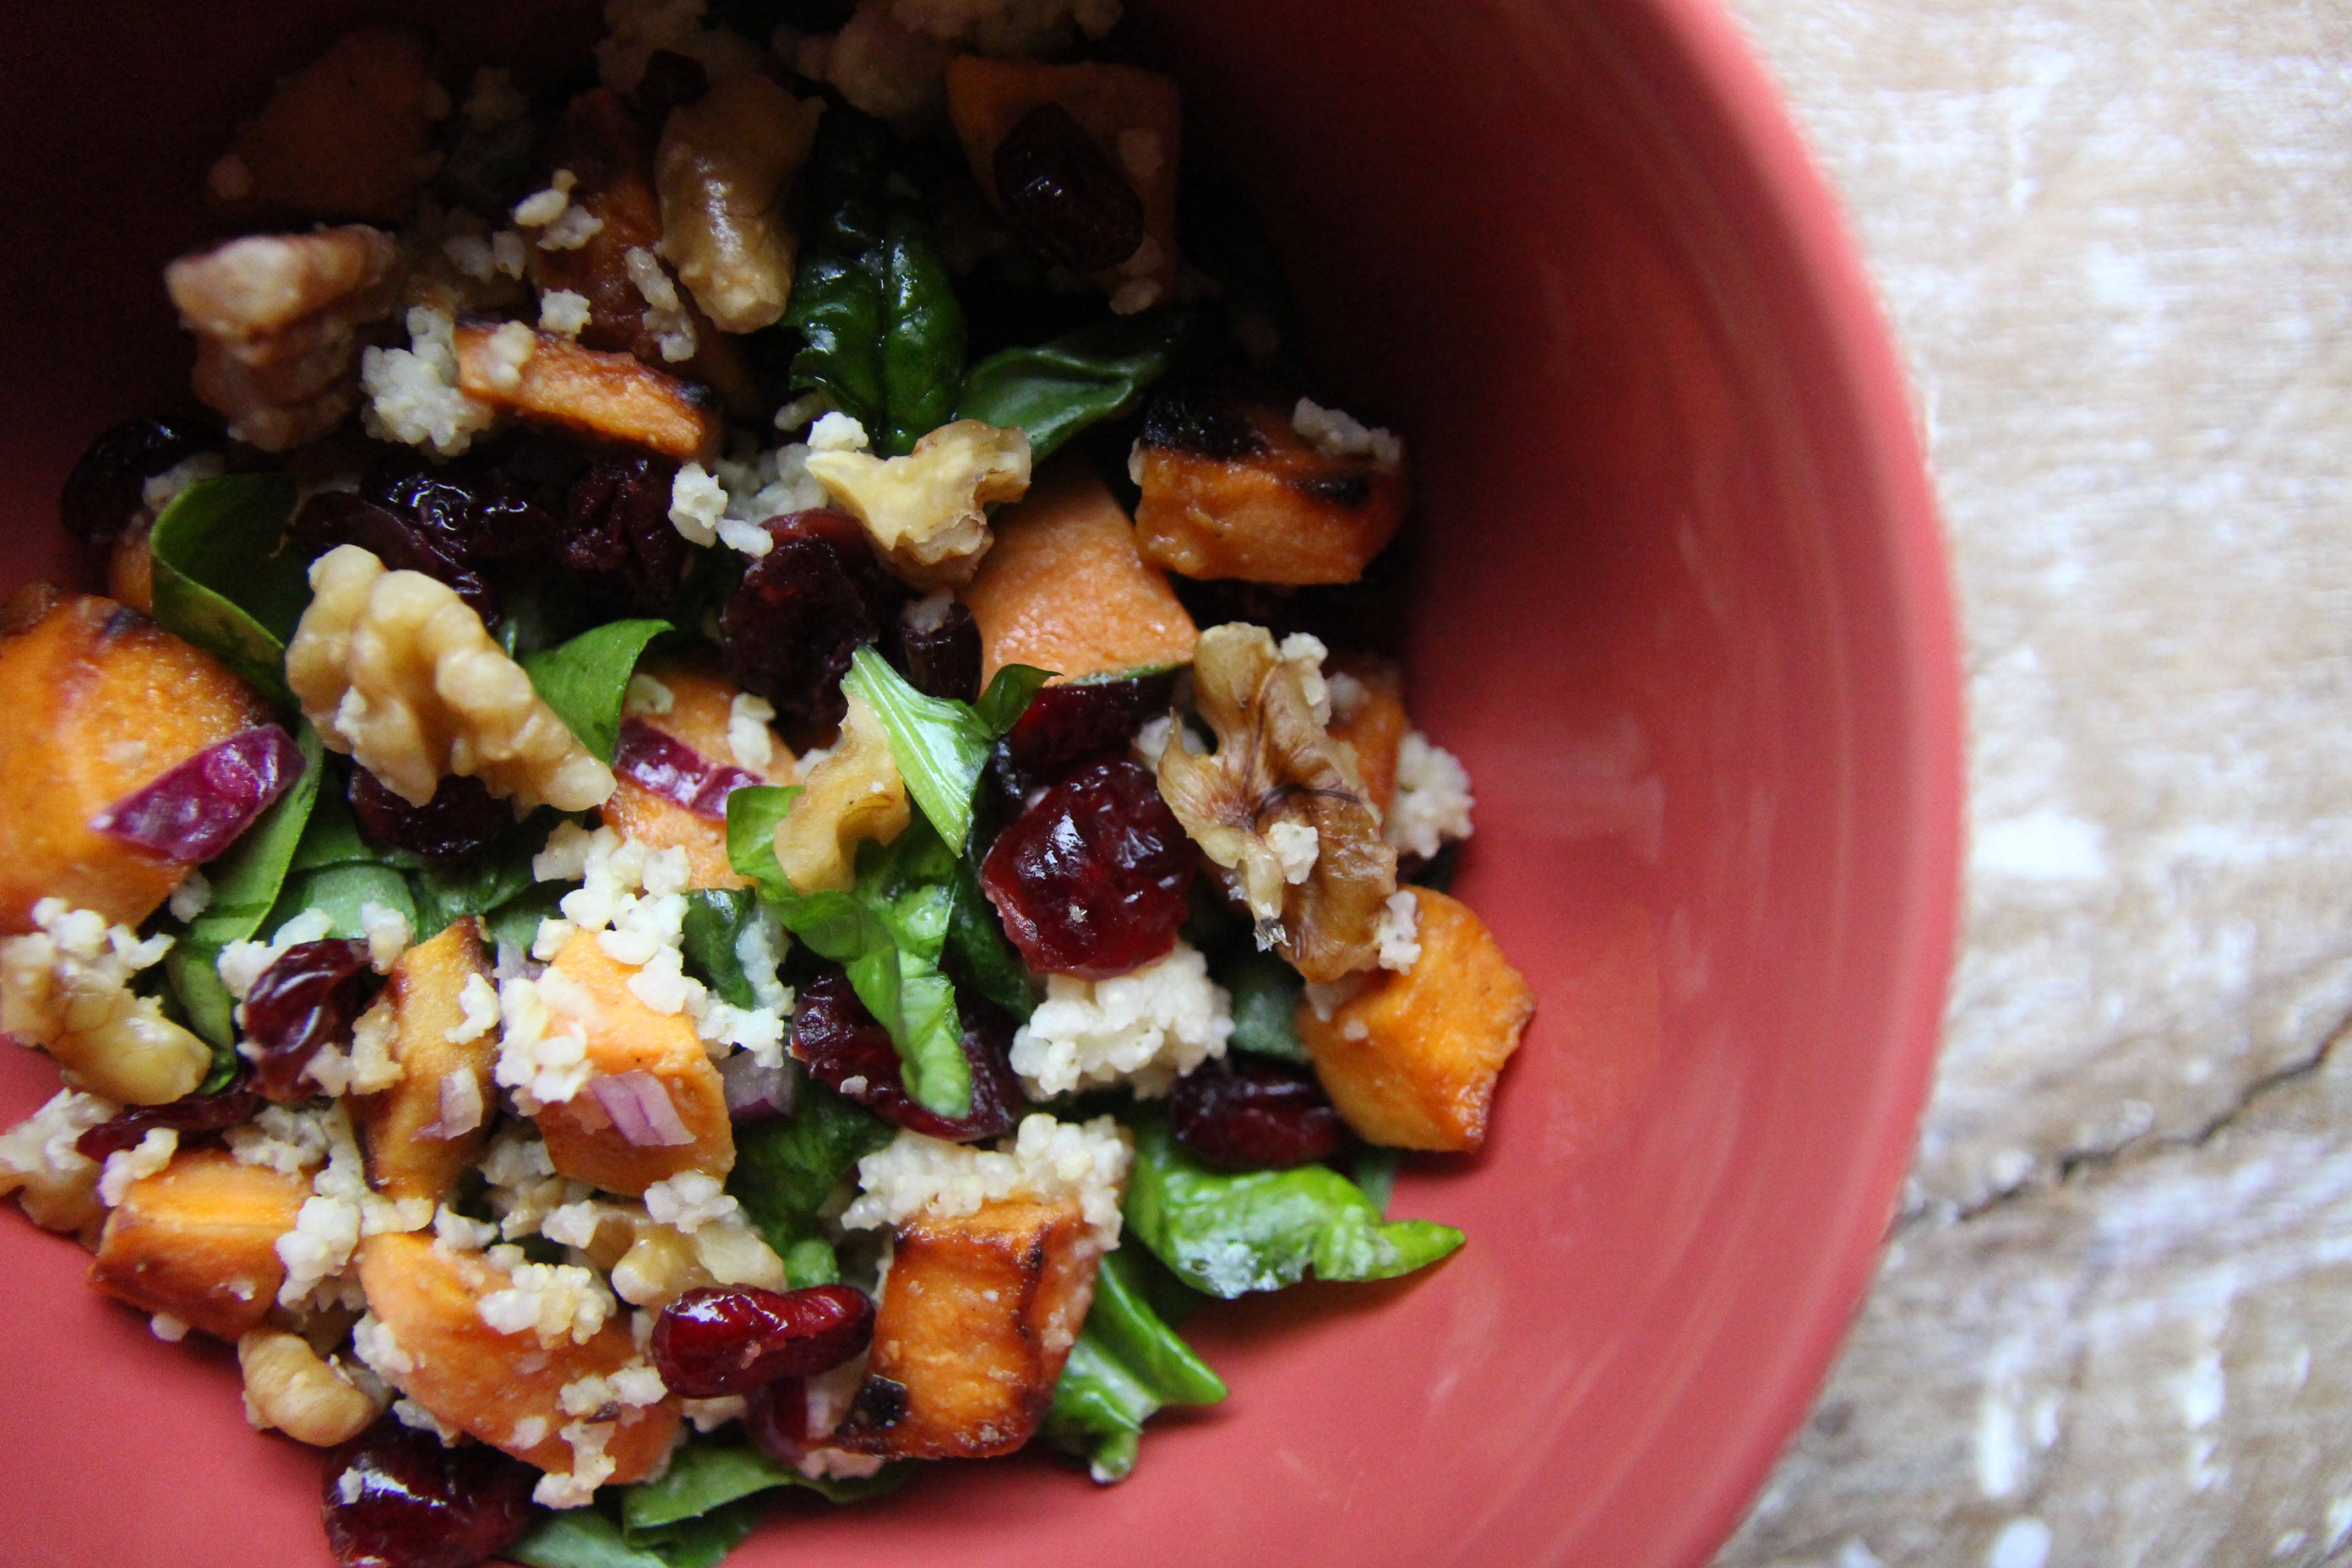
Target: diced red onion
<point>197,809</point>
<point>461,1106</point>
<point>659,762</point>
<point>640,1107</point>
<point>754,1091</point>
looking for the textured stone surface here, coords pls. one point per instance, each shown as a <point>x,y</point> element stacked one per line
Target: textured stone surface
<point>2115,242</point>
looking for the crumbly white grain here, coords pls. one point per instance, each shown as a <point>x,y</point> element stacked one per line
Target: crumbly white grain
<point>1433,800</point>
<point>1397,933</point>
<point>747,735</point>
<point>1047,1160</point>
<point>1336,433</point>
<point>1145,1030</point>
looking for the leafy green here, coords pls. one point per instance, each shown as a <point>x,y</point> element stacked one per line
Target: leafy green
<point>586,680</point>
<point>715,918</point>
<point>1229,1233</point>
<point>516,921</point>
<point>1267,993</point>
<point>589,1538</point>
<point>332,838</point>
<point>704,1476</point>
<point>1126,1364</point>
<point>922,339</point>
<point>978,952</point>
<point>340,892</point>
<point>246,883</point>
<point>939,744</point>
<point>1054,390</point>
<point>1375,1171</point>
<point>787,1167</point>
<point>223,583</point>
<point>482,882</point>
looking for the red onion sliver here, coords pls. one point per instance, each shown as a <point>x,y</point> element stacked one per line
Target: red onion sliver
<point>461,1106</point>
<point>640,1107</point>
<point>754,1091</point>
<point>659,762</point>
<point>197,809</point>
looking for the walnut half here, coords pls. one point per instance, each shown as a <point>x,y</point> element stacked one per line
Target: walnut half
<point>1280,808</point>
<point>927,512</point>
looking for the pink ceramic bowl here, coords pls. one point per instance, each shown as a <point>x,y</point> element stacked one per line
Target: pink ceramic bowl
<point>1684,616</point>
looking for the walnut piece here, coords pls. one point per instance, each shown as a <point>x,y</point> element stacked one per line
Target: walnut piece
<point>926,512</point>
<point>67,988</point>
<point>277,318</point>
<point>1280,808</point>
<point>397,672</point>
<point>725,163</point>
<point>288,1387</point>
<point>852,795</point>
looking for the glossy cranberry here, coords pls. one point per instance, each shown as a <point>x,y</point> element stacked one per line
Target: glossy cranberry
<point>307,1000</point>
<point>671,78</point>
<point>1063,195</point>
<point>106,489</point>
<point>331,517</point>
<point>395,1498</point>
<point>1065,726</point>
<point>472,515</point>
<point>730,1339</point>
<point>848,1051</point>
<point>616,534</point>
<point>802,610</point>
<point>775,1417</point>
<point>1092,879</point>
<point>938,649</point>
<point>189,1113</point>
<point>462,817</point>
<point>1252,1113</point>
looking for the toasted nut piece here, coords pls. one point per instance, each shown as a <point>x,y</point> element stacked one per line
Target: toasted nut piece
<point>67,988</point>
<point>397,672</point>
<point>198,1239</point>
<point>341,137</point>
<point>852,795</point>
<point>288,1387</point>
<point>652,1264</point>
<point>613,396</point>
<point>926,512</point>
<point>725,163</point>
<point>277,318</point>
<point>57,1183</point>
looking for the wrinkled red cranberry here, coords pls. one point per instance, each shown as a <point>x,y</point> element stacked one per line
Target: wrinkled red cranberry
<point>1063,195</point>
<point>395,1498</point>
<point>775,1417</point>
<point>671,78</point>
<point>1066,725</point>
<point>1092,880</point>
<point>189,1113</point>
<point>616,534</point>
<point>730,1339</point>
<point>848,1051</point>
<point>106,489</point>
<point>472,516</point>
<point>489,170</point>
<point>1253,1114</point>
<point>331,517</point>
<point>462,817</point>
<point>307,1000</point>
<point>938,649</point>
<point>802,610</point>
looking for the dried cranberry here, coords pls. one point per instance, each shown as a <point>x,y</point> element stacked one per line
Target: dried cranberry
<point>671,78</point>
<point>1063,195</point>
<point>462,817</point>
<point>106,488</point>
<point>730,1339</point>
<point>472,517</point>
<point>616,534</point>
<point>938,649</point>
<point>338,517</point>
<point>775,1417</point>
<point>395,1498</point>
<point>848,1051</point>
<point>189,1113</point>
<point>488,171</point>
<point>1254,1114</point>
<point>802,610</point>
<point>1066,725</point>
<point>307,1000</point>
<point>1092,879</point>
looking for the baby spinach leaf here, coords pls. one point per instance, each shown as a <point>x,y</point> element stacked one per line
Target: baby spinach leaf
<point>706,1474</point>
<point>223,583</point>
<point>1229,1233</point>
<point>939,744</point>
<point>481,883</point>
<point>586,680</point>
<point>246,883</point>
<point>590,1538</point>
<point>1010,691</point>
<point>1267,993</point>
<point>342,891</point>
<point>1375,1170</point>
<point>715,918</point>
<point>787,1167</point>
<point>332,836</point>
<point>516,921</point>
<point>978,952</point>
<point>1126,1364</point>
<point>922,337</point>
<point>1056,389</point>
<point>702,1541</point>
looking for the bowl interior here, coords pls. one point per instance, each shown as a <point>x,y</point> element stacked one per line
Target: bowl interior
<point>1680,612</point>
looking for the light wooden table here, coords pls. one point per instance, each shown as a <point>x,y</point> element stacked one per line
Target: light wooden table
<point>2114,1324</point>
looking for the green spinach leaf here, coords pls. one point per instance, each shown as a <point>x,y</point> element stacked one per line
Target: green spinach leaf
<point>1056,389</point>
<point>481,883</point>
<point>590,1538</point>
<point>1229,1233</point>
<point>1375,1171</point>
<point>939,744</point>
<point>978,952</point>
<point>1126,1364</point>
<point>222,581</point>
<point>340,892</point>
<point>586,680</point>
<point>1267,993</point>
<point>716,920</point>
<point>922,337</point>
<point>787,1167</point>
<point>706,1474</point>
<point>332,838</point>
<point>516,921</point>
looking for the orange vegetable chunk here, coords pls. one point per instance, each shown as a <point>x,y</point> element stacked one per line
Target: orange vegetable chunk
<point>702,700</point>
<point>1376,729</point>
<point>344,137</point>
<point>424,991</point>
<point>610,395</point>
<point>198,1240</point>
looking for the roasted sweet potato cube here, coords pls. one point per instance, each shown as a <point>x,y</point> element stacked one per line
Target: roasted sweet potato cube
<point>198,1240</point>
<point>1135,117</point>
<point>629,1037</point>
<point>425,992</point>
<point>1376,727</point>
<point>344,137</point>
<point>976,1319</point>
<point>505,1389</point>
<point>1411,1061</point>
<point>611,395</point>
<point>701,701</point>
<point>1064,590</point>
<point>1230,490</point>
<point>131,567</point>
<point>99,701</point>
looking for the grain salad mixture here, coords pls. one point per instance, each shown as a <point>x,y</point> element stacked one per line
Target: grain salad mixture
<point>737,813</point>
